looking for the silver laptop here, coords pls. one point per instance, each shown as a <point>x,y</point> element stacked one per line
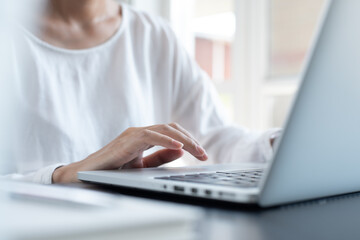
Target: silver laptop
<point>318,154</point>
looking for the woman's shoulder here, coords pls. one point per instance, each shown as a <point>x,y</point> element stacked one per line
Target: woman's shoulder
<point>142,22</point>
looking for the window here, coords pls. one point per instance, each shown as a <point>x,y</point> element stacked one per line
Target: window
<point>213,28</point>
<point>253,50</point>
<point>292,26</point>
<point>272,39</point>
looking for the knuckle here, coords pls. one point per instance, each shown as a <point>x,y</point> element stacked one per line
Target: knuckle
<point>146,133</point>
<point>163,138</point>
<point>153,126</point>
<point>193,143</point>
<point>175,125</point>
<point>166,139</point>
<point>130,129</point>
<point>165,127</point>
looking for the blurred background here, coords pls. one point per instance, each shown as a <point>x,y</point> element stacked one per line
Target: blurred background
<point>253,50</point>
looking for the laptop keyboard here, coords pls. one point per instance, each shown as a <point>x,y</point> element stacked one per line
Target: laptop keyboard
<point>241,178</point>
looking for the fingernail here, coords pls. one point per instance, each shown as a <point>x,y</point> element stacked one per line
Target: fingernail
<point>177,144</point>
<point>203,157</point>
<point>200,150</point>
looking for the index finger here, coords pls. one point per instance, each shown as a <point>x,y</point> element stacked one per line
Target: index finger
<point>152,138</point>
<point>190,144</point>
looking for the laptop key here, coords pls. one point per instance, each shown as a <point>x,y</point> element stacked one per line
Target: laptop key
<point>243,179</point>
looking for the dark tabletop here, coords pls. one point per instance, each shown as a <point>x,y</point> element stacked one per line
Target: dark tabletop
<point>330,218</point>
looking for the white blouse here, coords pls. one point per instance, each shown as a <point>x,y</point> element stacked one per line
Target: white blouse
<point>73,102</point>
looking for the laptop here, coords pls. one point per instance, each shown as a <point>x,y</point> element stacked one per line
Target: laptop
<point>318,154</point>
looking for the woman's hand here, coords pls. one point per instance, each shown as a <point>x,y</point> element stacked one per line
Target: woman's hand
<point>126,151</point>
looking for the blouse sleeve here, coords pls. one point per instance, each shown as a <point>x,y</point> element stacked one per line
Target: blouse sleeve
<point>197,108</point>
<point>43,175</point>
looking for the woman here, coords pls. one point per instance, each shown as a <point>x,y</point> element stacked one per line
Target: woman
<point>102,84</point>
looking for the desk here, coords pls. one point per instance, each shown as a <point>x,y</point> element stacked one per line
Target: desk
<point>331,218</point>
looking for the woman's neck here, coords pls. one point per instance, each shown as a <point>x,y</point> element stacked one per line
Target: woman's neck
<point>78,24</point>
<point>83,12</point>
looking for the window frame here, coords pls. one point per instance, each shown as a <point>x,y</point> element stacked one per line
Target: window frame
<point>251,52</point>
<point>251,88</point>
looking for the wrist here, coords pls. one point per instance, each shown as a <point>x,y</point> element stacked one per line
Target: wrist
<point>57,175</point>
<point>65,174</point>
